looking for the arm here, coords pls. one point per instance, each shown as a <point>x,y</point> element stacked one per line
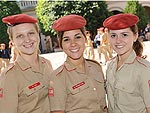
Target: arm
<point>57,94</point>
<point>9,94</point>
<point>145,87</point>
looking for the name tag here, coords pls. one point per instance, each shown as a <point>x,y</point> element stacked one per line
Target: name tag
<point>78,85</point>
<point>29,90</point>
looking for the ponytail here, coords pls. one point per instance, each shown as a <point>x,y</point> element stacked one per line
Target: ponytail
<point>138,47</point>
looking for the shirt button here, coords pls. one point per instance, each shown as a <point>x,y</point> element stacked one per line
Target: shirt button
<point>94,89</point>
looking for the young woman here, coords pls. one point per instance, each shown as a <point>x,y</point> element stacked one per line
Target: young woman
<point>24,84</point>
<point>78,85</point>
<point>128,74</point>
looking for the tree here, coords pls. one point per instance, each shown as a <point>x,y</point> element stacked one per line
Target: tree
<point>48,11</point>
<point>6,8</point>
<point>134,7</point>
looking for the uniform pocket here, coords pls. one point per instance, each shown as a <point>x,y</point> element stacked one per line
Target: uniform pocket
<point>32,88</point>
<point>78,87</point>
<point>126,87</point>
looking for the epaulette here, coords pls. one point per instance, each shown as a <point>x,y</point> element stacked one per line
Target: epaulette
<point>143,62</point>
<point>9,67</point>
<point>93,61</point>
<point>59,70</point>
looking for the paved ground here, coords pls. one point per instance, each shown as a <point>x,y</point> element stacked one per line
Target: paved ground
<point>58,58</point>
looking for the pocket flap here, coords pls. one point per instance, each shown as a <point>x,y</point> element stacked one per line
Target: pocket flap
<point>29,90</point>
<point>126,87</point>
<point>78,87</point>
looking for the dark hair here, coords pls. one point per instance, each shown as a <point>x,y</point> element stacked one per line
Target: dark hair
<point>137,45</point>
<point>61,33</point>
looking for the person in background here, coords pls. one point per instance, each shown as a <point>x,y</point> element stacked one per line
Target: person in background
<point>13,52</point>
<point>128,75</point>
<point>24,84</point>
<point>147,32</point>
<point>77,86</point>
<point>102,49</point>
<point>89,50</point>
<point>106,42</point>
<point>98,37</point>
<point>4,54</point>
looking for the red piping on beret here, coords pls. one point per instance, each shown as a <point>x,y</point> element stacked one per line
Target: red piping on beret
<point>120,21</point>
<point>18,18</point>
<point>69,22</point>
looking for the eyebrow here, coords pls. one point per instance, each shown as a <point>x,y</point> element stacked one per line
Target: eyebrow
<point>120,33</point>
<point>74,35</point>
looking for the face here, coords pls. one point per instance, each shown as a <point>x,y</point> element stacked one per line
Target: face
<point>26,38</point>
<point>122,41</point>
<point>73,44</point>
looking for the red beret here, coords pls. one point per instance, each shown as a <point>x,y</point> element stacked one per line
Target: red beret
<point>69,22</point>
<point>18,19</point>
<point>120,21</point>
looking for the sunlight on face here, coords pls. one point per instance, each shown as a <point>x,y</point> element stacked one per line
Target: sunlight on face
<point>122,40</point>
<point>73,43</point>
<point>26,38</point>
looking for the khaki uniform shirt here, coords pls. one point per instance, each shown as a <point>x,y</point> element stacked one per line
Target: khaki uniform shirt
<point>128,88</point>
<point>24,89</point>
<point>76,92</point>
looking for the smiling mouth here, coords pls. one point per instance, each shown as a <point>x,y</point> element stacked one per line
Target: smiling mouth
<point>28,45</point>
<point>118,46</point>
<point>74,50</point>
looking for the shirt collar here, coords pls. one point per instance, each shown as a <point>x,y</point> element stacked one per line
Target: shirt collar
<point>24,65</point>
<point>131,58</point>
<point>70,67</point>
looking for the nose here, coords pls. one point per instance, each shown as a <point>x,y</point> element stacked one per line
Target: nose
<point>27,38</point>
<point>118,40</point>
<point>73,42</point>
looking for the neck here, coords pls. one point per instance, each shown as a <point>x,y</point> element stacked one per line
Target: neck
<point>122,58</point>
<point>32,60</point>
<point>80,63</point>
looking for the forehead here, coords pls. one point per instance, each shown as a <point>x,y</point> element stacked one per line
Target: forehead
<point>23,27</point>
<point>72,32</point>
<point>121,30</point>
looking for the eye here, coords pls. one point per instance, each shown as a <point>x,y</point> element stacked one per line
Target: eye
<point>124,35</point>
<point>78,37</point>
<point>113,35</point>
<point>31,33</point>
<point>19,36</point>
<point>65,39</point>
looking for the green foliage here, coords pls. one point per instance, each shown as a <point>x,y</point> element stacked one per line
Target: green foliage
<point>94,11</point>
<point>134,7</point>
<point>6,8</point>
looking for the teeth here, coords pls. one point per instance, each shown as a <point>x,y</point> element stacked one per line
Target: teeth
<point>75,50</point>
<point>27,46</point>
<point>119,46</point>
